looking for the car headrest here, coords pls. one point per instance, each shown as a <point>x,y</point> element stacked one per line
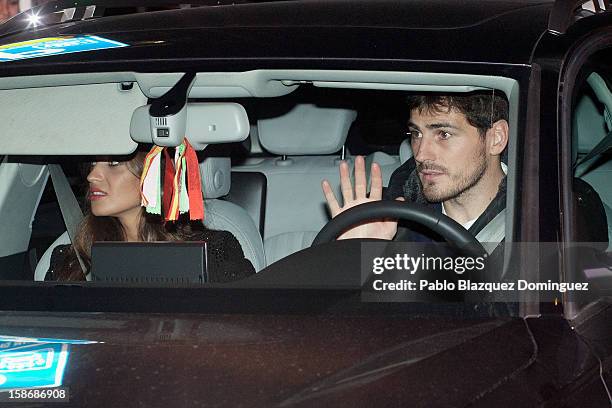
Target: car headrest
<point>405,151</point>
<point>592,116</point>
<point>306,130</point>
<point>216,174</point>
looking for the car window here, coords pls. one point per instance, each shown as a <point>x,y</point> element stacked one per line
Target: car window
<point>591,224</point>
<point>592,168</point>
<point>271,199</point>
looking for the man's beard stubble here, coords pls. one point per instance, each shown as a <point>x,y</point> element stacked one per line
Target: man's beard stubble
<point>459,184</point>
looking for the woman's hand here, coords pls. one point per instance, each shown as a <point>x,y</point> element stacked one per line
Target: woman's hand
<point>381,229</point>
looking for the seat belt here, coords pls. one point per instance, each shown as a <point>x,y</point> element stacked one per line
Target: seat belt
<point>493,233</point>
<point>71,212</point>
<point>602,92</point>
<point>601,147</point>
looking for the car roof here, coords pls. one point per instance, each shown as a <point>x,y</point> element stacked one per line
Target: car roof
<point>496,31</point>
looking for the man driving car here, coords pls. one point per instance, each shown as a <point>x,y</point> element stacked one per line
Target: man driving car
<point>457,142</point>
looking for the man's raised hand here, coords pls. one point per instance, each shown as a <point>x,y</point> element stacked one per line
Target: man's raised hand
<point>381,229</point>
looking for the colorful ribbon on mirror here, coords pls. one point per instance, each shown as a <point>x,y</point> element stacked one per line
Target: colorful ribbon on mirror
<point>181,189</point>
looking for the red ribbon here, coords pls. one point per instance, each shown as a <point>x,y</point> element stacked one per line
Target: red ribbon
<point>168,182</point>
<point>194,184</point>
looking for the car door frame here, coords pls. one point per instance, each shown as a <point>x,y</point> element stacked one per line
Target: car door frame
<point>582,49</point>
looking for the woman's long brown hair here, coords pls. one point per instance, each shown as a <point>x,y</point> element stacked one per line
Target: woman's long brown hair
<point>93,228</point>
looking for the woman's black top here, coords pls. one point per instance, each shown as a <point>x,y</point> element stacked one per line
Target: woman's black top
<point>226,261</point>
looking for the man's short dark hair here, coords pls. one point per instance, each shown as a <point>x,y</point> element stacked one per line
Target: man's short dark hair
<point>476,106</point>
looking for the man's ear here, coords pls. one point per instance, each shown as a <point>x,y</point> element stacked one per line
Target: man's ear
<point>497,137</point>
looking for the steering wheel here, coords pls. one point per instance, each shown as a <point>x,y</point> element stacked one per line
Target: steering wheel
<point>449,229</point>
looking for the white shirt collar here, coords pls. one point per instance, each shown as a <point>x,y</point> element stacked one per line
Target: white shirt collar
<point>465,225</point>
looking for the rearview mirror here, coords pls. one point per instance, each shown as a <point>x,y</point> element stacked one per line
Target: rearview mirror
<point>204,124</point>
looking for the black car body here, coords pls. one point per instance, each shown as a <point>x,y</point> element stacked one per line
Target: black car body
<point>298,334</point>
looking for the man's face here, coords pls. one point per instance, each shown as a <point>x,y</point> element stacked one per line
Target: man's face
<point>450,153</point>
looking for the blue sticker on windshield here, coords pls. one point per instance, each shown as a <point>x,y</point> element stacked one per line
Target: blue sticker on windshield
<point>6,341</point>
<point>32,365</point>
<point>46,47</point>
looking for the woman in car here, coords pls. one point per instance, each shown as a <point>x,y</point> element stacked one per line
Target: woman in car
<point>115,214</point>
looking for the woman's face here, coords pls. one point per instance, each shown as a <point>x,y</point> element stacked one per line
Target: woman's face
<point>114,191</point>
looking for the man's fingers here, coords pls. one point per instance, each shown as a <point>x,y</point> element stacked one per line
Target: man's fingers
<point>400,199</point>
<point>376,178</point>
<point>330,197</point>
<point>360,178</point>
<point>345,183</point>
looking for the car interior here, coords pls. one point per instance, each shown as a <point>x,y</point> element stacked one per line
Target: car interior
<point>592,126</point>
<point>264,187</point>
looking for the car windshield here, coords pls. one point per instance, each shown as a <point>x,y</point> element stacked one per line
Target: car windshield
<point>272,172</point>
<point>266,192</point>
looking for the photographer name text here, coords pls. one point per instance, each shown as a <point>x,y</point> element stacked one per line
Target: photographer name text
<point>468,285</point>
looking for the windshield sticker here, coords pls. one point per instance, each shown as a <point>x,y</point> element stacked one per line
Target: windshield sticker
<point>6,341</point>
<point>45,47</point>
<point>31,365</point>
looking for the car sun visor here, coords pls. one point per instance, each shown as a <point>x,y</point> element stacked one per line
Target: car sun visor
<point>205,123</point>
<point>68,120</point>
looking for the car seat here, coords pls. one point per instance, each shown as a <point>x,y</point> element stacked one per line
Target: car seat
<point>305,139</point>
<point>405,151</point>
<point>225,215</point>
<point>21,189</point>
